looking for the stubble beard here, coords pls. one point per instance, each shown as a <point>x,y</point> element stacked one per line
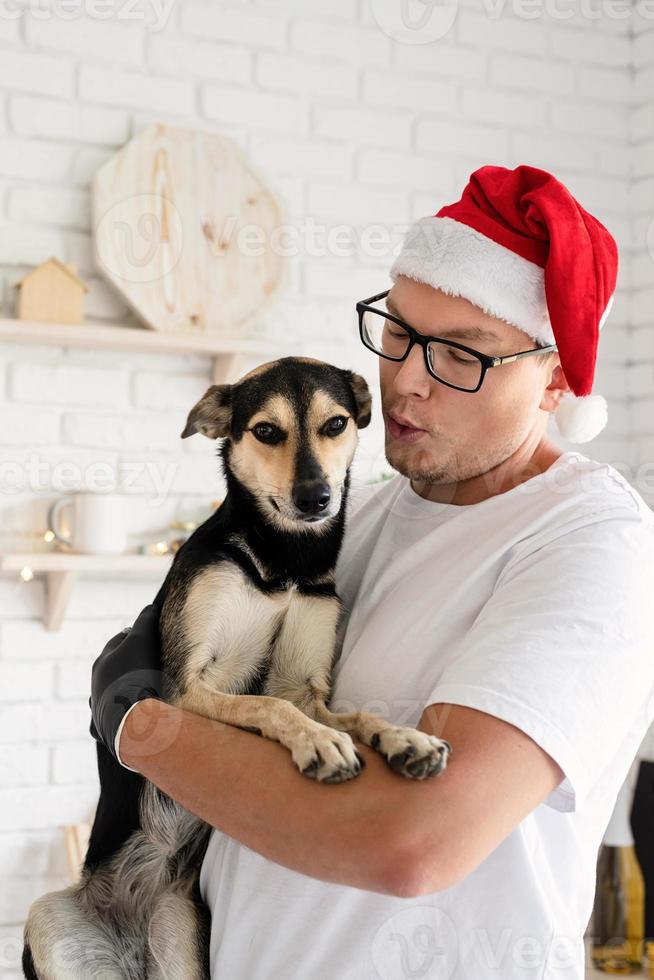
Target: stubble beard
<point>407,464</point>
<point>449,471</point>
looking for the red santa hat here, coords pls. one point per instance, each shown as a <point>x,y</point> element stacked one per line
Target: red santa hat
<point>518,245</point>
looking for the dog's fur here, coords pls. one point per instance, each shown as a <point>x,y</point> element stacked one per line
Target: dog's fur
<point>248,620</point>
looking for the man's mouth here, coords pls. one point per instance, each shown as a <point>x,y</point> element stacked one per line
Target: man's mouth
<point>406,433</point>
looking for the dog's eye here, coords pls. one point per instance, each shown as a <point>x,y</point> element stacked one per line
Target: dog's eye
<point>335,426</point>
<point>265,432</point>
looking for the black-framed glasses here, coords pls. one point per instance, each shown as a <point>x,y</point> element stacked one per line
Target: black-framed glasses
<point>451,363</point>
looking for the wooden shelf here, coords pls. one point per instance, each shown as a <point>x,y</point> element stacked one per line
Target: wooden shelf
<point>61,570</point>
<point>228,354</point>
<point>62,561</point>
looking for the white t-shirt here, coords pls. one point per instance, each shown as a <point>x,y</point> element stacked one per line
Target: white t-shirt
<point>533,606</point>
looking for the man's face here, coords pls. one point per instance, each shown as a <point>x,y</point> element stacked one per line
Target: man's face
<point>466,434</point>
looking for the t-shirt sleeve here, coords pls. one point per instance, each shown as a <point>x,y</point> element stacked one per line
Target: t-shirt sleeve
<point>564,648</point>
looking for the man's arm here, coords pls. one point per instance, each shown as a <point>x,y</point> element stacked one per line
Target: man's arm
<point>553,672</point>
<point>380,831</point>
<point>249,788</point>
<point>497,776</point>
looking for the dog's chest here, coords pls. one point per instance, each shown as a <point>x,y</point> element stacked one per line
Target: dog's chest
<point>240,635</point>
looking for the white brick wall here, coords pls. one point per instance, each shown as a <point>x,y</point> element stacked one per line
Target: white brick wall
<point>641,300</point>
<point>351,127</point>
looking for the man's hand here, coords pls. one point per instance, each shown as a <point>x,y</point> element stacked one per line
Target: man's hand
<point>127,671</point>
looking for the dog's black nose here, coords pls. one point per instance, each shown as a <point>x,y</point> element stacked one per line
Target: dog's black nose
<point>311,497</point>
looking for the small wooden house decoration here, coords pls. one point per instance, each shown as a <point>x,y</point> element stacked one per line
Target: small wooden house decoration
<point>52,292</point>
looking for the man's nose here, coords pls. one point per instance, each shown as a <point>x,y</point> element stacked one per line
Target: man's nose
<point>411,376</point>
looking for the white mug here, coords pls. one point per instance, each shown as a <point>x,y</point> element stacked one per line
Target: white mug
<point>96,522</point>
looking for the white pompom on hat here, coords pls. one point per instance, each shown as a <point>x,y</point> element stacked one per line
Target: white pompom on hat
<point>519,246</point>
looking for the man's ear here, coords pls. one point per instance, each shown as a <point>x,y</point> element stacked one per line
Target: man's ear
<point>362,397</point>
<point>212,415</point>
<point>555,390</point>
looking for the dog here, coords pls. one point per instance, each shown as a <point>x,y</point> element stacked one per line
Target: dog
<point>248,622</point>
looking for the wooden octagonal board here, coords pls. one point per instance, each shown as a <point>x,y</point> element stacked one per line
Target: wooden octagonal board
<point>184,229</point>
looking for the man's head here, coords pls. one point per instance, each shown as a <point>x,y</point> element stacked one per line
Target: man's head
<point>466,433</point>
<point>520,248</point>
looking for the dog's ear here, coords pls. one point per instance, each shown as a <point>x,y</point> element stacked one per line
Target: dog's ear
<point>362,397</point>
<point>212,415</point>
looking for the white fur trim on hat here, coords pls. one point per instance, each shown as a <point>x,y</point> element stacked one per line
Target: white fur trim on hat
<point>459,260</point>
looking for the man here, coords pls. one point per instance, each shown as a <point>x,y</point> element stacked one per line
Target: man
<point>497,594</point>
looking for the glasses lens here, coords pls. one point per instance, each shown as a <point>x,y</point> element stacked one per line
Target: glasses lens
<point>383,335</point>
<point>456,367</point>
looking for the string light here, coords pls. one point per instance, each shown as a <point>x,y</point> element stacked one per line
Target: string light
<point>26,574</point>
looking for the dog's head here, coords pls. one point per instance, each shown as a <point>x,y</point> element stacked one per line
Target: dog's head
<point>291,427</point>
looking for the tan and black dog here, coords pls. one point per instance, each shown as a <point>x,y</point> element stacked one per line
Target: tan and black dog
<point>248,622</point>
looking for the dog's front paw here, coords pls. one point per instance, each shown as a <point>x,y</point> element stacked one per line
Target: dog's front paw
<point>327,755</point>
<point>413,753</point>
